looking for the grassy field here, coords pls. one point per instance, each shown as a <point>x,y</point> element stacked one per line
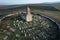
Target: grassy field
<point>53,14</point>
<point>57,6</point>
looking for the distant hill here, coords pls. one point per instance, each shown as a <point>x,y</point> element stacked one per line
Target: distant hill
<point>44,6</point>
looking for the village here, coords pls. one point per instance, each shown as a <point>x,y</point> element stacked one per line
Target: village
<point>27,26</point>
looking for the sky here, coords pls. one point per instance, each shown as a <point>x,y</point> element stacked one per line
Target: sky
<point>12,2</point>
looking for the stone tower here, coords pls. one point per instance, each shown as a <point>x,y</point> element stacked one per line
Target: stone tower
<point>29,15</point>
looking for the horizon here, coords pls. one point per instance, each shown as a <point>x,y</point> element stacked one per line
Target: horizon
<point>13,2</point>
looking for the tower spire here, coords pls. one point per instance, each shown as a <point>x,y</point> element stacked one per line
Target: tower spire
<point>29,15</point>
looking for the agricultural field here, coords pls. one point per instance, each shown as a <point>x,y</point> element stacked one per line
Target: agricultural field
<point>52,14</point>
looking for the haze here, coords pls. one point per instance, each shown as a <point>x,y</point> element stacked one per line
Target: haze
<point>12,2</point>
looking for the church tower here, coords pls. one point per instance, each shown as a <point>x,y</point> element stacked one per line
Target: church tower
<point>29,15</point>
